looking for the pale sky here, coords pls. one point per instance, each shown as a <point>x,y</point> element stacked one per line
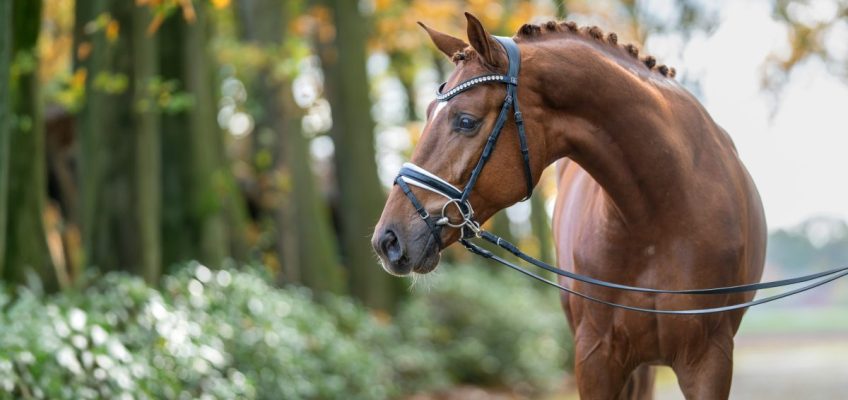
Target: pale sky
<point>797,158</point>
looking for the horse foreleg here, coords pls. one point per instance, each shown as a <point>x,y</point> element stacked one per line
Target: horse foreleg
<point>600,374</point>
<point>709,376</point>
<point>640,386</point>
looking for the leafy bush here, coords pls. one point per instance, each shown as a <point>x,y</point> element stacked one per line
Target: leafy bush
<point>208,335</point>
<point>286,344</point>
<point>229,334</point>
<point>116,339</point>
<point>490,328</point>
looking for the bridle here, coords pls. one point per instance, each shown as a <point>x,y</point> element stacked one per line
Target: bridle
<point>411,174</point>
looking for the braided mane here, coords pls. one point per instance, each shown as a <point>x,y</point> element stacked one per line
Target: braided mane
<point>532,31</point>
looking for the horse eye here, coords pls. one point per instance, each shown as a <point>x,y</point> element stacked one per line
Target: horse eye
<point>465,123</point>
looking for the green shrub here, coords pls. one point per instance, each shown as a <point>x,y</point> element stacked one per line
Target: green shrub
<point>207,335</point>
<point>491,328</point>
<point>116,339</point>
<point>229,334</point>
<point>286,344</point>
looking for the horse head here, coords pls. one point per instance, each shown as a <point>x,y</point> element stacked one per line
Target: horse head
<point>411,234</point>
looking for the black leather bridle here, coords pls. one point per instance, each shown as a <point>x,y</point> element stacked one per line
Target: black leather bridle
<point>411,174</point>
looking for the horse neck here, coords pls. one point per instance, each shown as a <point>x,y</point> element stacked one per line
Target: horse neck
<point>615,121</point>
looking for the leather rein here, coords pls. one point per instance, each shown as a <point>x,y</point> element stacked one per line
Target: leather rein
<point>411,174</point>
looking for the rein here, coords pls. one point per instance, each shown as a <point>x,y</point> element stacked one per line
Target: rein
<point>411,174</point>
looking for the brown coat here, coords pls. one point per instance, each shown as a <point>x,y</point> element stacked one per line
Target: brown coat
<point>651,193</point>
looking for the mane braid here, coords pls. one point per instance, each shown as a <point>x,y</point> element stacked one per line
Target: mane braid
<point>533,31</point>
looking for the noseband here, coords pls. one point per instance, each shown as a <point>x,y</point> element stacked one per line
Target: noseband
<point>411,174</point>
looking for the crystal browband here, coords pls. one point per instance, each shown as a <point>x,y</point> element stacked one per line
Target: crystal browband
<point>511,80</point>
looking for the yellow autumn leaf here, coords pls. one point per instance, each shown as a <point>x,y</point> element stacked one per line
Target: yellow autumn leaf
<point>157,21</point>
<point>219,4</point>
<point>113,29</point>
<point>83,50</point>
<point>78,80</point>
<point>382,5</point>
<point>188,11</point>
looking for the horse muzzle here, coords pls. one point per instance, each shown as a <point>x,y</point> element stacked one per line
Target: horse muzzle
<point>402,251</point>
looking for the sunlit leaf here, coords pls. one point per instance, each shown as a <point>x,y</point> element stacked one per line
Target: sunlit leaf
<point>188,10</point>
<point>155,23</point>
<point>84,50</point>
<point>219,4</point>
<point>113,29</point>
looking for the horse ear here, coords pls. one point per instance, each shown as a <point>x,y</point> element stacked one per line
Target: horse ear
<point>487,47</point>
<point>445,43</point>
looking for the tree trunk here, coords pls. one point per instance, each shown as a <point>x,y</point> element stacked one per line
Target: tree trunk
<point>208,169</point>
<point>541,224</point>
<point>26,243</point>
<point>318,255</point>
<point>147,149</point>
<point>305,242</point>
<point>120,175</point>
<point>360,193</point>
<point>178,232</point>
<point>204,213</point>
<point>5,113</point>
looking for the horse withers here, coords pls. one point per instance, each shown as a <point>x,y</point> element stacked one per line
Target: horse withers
<point>652,193</point>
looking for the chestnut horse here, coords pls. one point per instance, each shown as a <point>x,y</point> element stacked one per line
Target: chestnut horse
<point>652,193</point>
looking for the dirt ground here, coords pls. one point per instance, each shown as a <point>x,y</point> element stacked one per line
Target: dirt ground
<point>766,366</point>
<point>781,367</point>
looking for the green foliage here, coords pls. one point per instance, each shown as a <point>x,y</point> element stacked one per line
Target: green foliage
<point>491,329</point>
<point>111,83</point>
<point>116,339</point>
<point>216,334</point>
<point>286,345</point>
<point>229,334</point>
<point>167,96</point>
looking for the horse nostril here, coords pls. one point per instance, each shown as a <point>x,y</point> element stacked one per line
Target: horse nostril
<point>390,245</point>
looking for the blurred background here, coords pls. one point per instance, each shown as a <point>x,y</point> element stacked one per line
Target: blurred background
<point>188,189</point>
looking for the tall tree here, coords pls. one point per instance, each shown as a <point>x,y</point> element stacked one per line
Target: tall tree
<point>204,213</point>
<point>5,113</point>
<point>305,240</point>
<point>361,196</point>
<point>179,233</point>
<point>541,223</point>
<point>148,162</point>
<point>26,243</point>
<point>807,38</point>
<point>120,168</point>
